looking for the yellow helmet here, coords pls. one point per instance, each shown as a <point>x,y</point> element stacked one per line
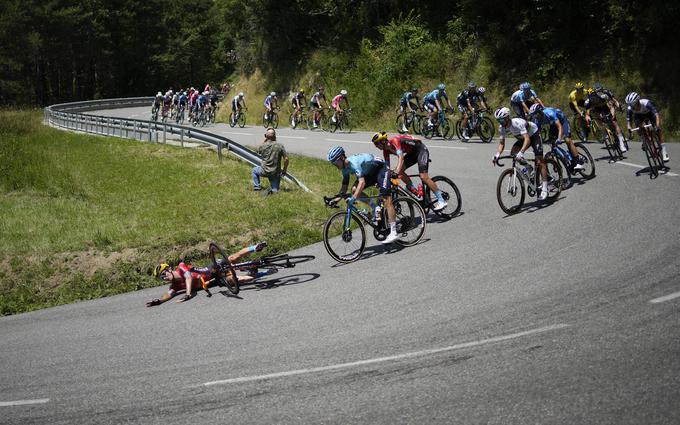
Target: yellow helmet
<point>302,91</point>
<point>159,269</point>
<point>590,91</point>
<point>379,138</point>
<point>578,86</point>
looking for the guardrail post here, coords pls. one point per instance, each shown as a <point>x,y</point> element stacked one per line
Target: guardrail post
<point>181,137</point>
<point>219,149</point>
<point>164,130</point>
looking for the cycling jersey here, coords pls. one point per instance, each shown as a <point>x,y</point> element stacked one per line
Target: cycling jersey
<point>202,100</point>
<point>407,97</point>
<point>550,116</point>
<point>519,127</point>
<point>317,97</point>
<point>645,107</point>
<point>528,97</point>
<point>158,100</point>
<point>466,95</point>
<point>372,169</point>
<point>268,101</point>
<point>578,98</point>
<point>182,100</point>
<point>435,94</point>
<point>185,271</point>
<point>413,149</point>
<point>336,101</point>
<point>599,100</point>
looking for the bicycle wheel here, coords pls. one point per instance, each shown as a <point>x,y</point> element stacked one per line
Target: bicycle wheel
<point>458,128</point>
<point>411,221</point>
<point>275,121</point>
<point>510,191</point>
<point>232,122</point>
<point>225,273</point>
<point>285,260</point>
<point>344,245</point>
<point>291,120</point>
<point>657,151</point>
<point>417,124</point>
<point>588,171</point>
<point>486,130</point>
<point>347,123</point>
<point>554,179</point>
<point>446,129</point>
<point>451,195</point>
<point>241,120</point>
<point>608,142</point>
<point>265,121</point>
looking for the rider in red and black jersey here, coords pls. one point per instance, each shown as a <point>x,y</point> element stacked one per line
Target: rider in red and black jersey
<point>409,151</point>
<point>188,278</point>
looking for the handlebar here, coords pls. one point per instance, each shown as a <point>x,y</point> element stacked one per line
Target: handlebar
<point>332,202</point>
<point>497,161</point>
<point>633,130</point>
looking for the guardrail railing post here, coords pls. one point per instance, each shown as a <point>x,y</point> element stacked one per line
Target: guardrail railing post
<point>181,137</point>
<point>164,130</point>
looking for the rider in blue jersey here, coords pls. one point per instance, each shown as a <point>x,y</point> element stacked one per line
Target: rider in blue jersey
<point>556,119</point>
<point>369,170</point>
<point>432,102</point>
<point>527,97</point>
<point>270,102</point>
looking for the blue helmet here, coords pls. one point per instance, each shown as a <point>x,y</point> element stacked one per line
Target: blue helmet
<point>525,86</point>
<point>535,108</point>
<point>598,86</point>
<point>472,85</point>
<point>441,86</point>
<point>335,153</point>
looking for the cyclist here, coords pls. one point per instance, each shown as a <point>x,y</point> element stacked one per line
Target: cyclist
<point>468,101</point>
<point>556,119</point>
<point>406,106</point>
<point>526,98</point>
<point>528,135</point>
<point>194,104</point>
<point>641,110</point>
<point>369,171</point>
<point>181,103</point>
<point>335,104</point>
<point>409,151</point>
<point>167,103</point>
<point>432,102</point>
<point>237,103</point>
<point>297,101</point>
<point>270,102</point>
<point>315,104</point>
<point>603,102</point>
<point>201,103</point>
<point>188,278</point>
<point>157,102</point>
<point>213,100</point>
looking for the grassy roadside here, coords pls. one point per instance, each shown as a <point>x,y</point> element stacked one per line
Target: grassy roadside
<point>84,216</point>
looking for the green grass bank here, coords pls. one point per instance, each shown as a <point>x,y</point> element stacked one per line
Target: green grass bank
<point>84,216</point>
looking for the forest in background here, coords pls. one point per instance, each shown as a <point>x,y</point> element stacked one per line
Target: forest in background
<point>65,50</point>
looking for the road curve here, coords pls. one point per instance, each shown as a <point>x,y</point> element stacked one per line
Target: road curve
<point>563,314</point>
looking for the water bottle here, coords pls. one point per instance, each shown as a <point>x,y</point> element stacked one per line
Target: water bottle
<point>378,213</point>
<point>528,170</point>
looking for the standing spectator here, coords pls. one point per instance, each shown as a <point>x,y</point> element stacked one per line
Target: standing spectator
<point>272,153</point>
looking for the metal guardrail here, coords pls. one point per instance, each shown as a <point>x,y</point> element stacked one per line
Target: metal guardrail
<point>69,116</point>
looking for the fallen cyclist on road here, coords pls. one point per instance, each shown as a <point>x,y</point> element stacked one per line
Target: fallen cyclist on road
<point>188,278</point>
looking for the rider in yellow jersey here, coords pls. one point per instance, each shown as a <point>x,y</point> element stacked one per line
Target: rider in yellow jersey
<point>577,98</point>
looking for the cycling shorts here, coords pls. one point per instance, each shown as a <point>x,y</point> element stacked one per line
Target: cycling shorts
<point>639,119</point>
<point>314,105</point>
<point>536,144</point>
<point>462,108</point>
<point>430,106</point>
<point>381,179</point>
<point>403,108</point>
<point>419,155</point>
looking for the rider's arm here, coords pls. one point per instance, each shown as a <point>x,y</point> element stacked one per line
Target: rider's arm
<point>526,144</point>
<point>560,130</point>
<point>189,281</point>
<point>540,102</point>
<point>361,184</point>
<point>162,299</point>
<point>399,169</point>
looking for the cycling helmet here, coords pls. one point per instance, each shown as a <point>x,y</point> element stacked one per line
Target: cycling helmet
<point>414,89</point>
<point>343,92</point>
<point>590,91</point>
<point>321,88</point>
<point>502,113</point>
<point>632,97</point>
<point>598,86</point>
<point>441,86</point>
<point>185,93</point>
<point>472,85</point>
<point>335,153</point>
<point>240,94</point>
<point>159,269</point>
<point>481,90</point>
<point>302,91</point>
<point>272,94</point>
<point>525,86</point>
<point>536,107</point>
<point>379,138</point>
<point>159,94</point>
<point>578,86</point>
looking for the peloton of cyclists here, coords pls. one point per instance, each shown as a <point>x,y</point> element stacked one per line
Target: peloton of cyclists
<point>640,110</point>
<point>409,151</point>
<point>605,104</point>
<point>468,102</point>
<point>406,105</point>
<point>529,136</point>
<point>369,171</point>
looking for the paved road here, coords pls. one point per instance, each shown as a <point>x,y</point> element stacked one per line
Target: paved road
<point>564,314</point>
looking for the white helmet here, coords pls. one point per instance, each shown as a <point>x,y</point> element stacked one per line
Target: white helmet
<point>481,90</point>
<point>240,94</point>
<point>502,113</point>
<point>343,92</point>
<point>632,98</point>
<point>159,94</point>
<point>272,93</point>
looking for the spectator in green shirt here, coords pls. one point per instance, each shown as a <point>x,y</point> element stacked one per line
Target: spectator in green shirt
<point>272,153</point>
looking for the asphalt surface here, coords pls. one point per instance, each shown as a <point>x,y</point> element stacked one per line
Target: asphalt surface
<point>566,313</point>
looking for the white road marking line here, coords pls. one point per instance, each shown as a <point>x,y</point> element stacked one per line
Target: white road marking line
<point>386,359</point>
<point>23,402</point>
<point>233,132</point>
<point>644,166</point>
<point>666,298</point>
<point>290,137</point>
<point>369,143</point>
